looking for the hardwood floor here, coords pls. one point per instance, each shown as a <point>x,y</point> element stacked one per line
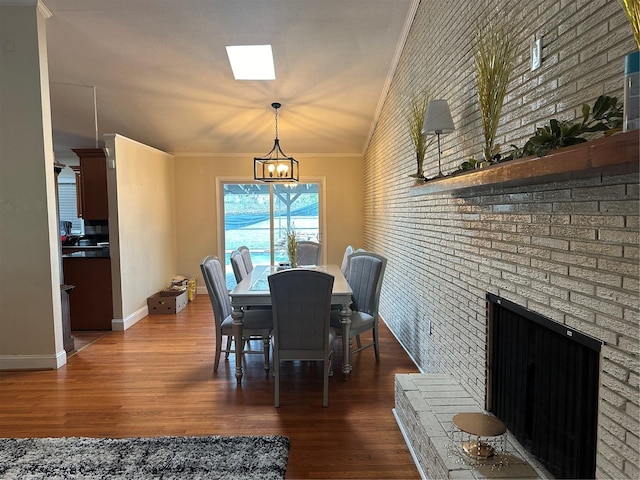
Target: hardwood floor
<point>157,379</point>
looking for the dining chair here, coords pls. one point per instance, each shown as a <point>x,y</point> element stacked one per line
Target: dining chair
<point>345,259</point>
<point>238,265</point>
<point>365,271</point>
<point>246,256</point>
<point>301,302</point>
<point>308,253</point>
<point>258,324</point>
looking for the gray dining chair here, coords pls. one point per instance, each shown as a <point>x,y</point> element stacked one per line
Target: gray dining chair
<point>246,256</point>
<point>308,253</point>
<point>301,302</point>
<point>365,272</point>
<point>238,265</point>
<point>258,324</point>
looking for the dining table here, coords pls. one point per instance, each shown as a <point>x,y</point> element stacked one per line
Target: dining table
<point>253,291</point>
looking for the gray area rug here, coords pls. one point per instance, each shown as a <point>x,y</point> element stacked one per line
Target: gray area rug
<point>166,458</point>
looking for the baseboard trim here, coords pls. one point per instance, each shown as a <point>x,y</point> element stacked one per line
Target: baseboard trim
<point>120,324</point>
<point>33,362</point>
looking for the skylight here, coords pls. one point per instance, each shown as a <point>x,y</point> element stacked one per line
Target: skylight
<point>251,62</point>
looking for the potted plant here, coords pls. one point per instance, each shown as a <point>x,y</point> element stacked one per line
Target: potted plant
<point>494,59</point>
<point>292,248</point>
<point>419,140</point>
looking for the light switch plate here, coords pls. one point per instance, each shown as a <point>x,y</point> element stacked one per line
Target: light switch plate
<point>536,54</point>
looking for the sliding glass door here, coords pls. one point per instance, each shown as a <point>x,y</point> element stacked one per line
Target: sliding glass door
<point>259,215</point>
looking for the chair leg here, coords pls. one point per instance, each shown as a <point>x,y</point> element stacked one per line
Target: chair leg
<point>216,362</point>
<point>226,355</point>
<point>276,371</point>
<point>358,341</point>
<point>375,343</point>
<point>266,344</point>
<point>325,391</point>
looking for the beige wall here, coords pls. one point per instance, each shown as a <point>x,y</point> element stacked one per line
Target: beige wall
<point>196,203</point>
<point>30,312</point>
<point>142,228</point>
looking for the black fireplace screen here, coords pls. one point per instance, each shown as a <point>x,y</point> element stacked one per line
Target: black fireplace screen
<point>543,384</point>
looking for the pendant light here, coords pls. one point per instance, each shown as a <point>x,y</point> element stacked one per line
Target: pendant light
<point>275,166</point>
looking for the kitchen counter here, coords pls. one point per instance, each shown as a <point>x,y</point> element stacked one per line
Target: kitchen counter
<point>93,253</point>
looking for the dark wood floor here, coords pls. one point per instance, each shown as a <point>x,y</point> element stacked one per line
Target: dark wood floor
<point>157,379</point>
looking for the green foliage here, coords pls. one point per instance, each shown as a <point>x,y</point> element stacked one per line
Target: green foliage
<point>292,248</point>
<point>606,115</point>
<point>419,140</point>
<point>494,60</point>
<point>632,9</point>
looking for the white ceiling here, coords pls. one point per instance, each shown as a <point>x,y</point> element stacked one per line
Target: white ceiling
<point>161,76</point>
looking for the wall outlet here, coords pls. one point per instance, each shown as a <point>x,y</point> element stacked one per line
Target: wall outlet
<point>536,54</point>
<point>429,331</point>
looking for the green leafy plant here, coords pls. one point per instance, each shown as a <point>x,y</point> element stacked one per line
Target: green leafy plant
<point>419,140</point>
<point>292,248</point>
<point>632,9</point>
<point>606,115</point>
<point>472,164</point>
<point>494,60</point>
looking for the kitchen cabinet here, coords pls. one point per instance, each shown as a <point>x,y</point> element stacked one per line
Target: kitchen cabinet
<point>90,304</point>
<point>91,184</point>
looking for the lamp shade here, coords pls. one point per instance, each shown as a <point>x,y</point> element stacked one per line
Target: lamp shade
<point>438,118</point>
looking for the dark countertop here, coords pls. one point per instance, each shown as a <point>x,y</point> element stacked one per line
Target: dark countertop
<point>101,253</point>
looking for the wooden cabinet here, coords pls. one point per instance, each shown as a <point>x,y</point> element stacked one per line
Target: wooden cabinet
<point>90,304</point>
<point>91,184</point>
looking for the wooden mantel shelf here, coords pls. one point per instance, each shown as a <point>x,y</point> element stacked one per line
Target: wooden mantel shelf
<point>614,155</point>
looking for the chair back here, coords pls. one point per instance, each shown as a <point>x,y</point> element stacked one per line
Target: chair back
<point>246,256</point>
<point>238,265</point>
<point>301,303</point>
<point>216,283</point>
<point>308,253</point>
<point>345,259</point>
<point>365,271</point>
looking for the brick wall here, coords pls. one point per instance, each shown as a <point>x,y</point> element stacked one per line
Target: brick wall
<point>567,250</point>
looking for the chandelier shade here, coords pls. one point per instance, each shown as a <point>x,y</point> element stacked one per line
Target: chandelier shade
<point>276,166</point>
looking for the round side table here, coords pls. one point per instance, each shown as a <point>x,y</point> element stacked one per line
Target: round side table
<point>479,427</point>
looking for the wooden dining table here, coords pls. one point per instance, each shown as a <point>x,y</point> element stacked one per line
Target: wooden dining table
<point>253,291</point>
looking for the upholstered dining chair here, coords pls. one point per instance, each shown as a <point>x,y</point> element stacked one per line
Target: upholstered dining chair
<point>345,259</point>
<point>308,253</point>
<point>365,271</point>
<point>238,265</point>
<point>301,302</point>
<point>257,323</point>
<point>246,256</point>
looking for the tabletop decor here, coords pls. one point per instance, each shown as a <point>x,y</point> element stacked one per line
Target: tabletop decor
<point>292,248</point>
<point>212,457</point>
<point>479,439</point>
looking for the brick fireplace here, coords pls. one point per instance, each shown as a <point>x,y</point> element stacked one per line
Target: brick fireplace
<point>561,243</point>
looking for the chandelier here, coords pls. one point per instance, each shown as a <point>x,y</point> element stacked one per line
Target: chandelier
<point>275,166</point>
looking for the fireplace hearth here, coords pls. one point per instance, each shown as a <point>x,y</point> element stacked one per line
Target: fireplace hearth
<point>543,380</point>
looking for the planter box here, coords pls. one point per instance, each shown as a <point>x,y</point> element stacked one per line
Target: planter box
<point>166,302</point>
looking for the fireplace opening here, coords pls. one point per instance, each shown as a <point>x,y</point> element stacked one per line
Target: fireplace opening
<point>542,382</point>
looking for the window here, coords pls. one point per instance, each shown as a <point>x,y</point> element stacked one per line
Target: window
<point>258,215</point>
<point>68,206</point>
